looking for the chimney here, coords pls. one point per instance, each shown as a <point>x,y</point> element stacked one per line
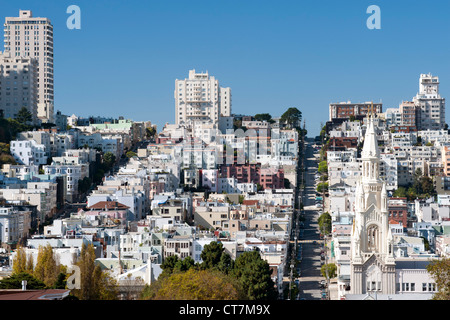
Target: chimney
<point>24,285</point>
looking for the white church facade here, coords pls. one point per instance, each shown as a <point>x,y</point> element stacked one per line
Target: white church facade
<point>375,271</point>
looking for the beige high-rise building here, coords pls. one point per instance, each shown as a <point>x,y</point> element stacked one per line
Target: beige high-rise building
<point>431,113</point>
<point>18,86</point>
<point>200,98</point>
<point>32,37</point>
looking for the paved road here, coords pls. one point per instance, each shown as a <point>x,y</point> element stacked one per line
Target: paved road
<point>311,263</point>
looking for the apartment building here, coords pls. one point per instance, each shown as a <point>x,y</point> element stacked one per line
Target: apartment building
<point>199,97</point>
<point>28,152</point>
<point>32,37</point>
<point>18,86</point>
<point>344,110</point>
<point>431,105</point>
<point>14,224</point>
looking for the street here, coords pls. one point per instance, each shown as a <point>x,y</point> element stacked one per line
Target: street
<point>309,235</point>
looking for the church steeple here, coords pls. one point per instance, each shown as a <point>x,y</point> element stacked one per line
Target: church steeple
<point>371,254</point>
<point>370,149</point>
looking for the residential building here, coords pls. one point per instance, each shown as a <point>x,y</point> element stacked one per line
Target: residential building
<point>19,88</point>
<point>344,110</point>
<point>200,97</point>
<point>28,152</point>
<point>32,37</point>
<point>431,105</point>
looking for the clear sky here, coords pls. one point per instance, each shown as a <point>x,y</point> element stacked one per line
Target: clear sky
<point>273,54</point>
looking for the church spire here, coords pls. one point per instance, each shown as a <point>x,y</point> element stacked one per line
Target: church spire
<point>370,148</point>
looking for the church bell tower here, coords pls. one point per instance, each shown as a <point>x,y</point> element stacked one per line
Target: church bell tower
<point>372,261</point>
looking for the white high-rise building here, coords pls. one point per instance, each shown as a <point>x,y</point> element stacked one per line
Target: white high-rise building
<point>200,98</point>
<point>32,37</point>
<point>18,86</point>
<point>431,113</point>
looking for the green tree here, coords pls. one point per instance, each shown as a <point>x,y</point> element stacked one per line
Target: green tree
<point>211,255</point>
<point>226,264</point>
<point>15,282</point>
<point>332,269</point>
<point>61,281</point>
<point>150,132</point>
<point>24,116</point>
<point>131,154</point>
<point>439,269</point>
<point>417,185</point>
<point>263,117</point>
<point>184,264</point>
<point>84,184</point>
<point>411,193</point>
<point>292,117</point>
<point>169,264</point>
<point>400,192</point>
<point>109,159</point>
<point>323,167</point>
<point>254,275</point>
<point>427,186</point>
<point>322,187</point>
<point>325,223</point>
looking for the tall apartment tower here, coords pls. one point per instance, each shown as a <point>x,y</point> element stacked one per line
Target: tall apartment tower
<point>31,37</point>
<point>18,85</point>
<point>431,106</point>
<point>200,98</point>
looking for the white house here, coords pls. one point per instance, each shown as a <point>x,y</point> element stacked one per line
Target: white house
<point>28,152</point>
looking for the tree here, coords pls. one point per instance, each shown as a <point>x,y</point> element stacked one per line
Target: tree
<point>184,264</point>
<point>400,192</point>
<point>211,255</point>
<point>19,261</point>
<point>131,154</point>
<point>325,223</point>
<point>150,132</point>
<point>417,181</point>
<point>94,283</point>
<point>331,268</point>
<point>322,187</point>
<point>24,116</point>
<point>254,275</point>
<point>323,167</point>
<point>263,117</point>
<point>439,269</point>
<point>109,159</point>
<point>15,282</point>
<point>194,285</point>
<point>168,264</point>
<point>47,268</point>
<point>293,117</point>
<point>84,184</point>
<point>226,264</point>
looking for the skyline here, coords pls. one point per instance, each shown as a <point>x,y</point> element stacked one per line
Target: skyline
<point>292,54</point>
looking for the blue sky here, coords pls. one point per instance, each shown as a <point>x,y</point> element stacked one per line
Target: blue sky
<point>273,54</point>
